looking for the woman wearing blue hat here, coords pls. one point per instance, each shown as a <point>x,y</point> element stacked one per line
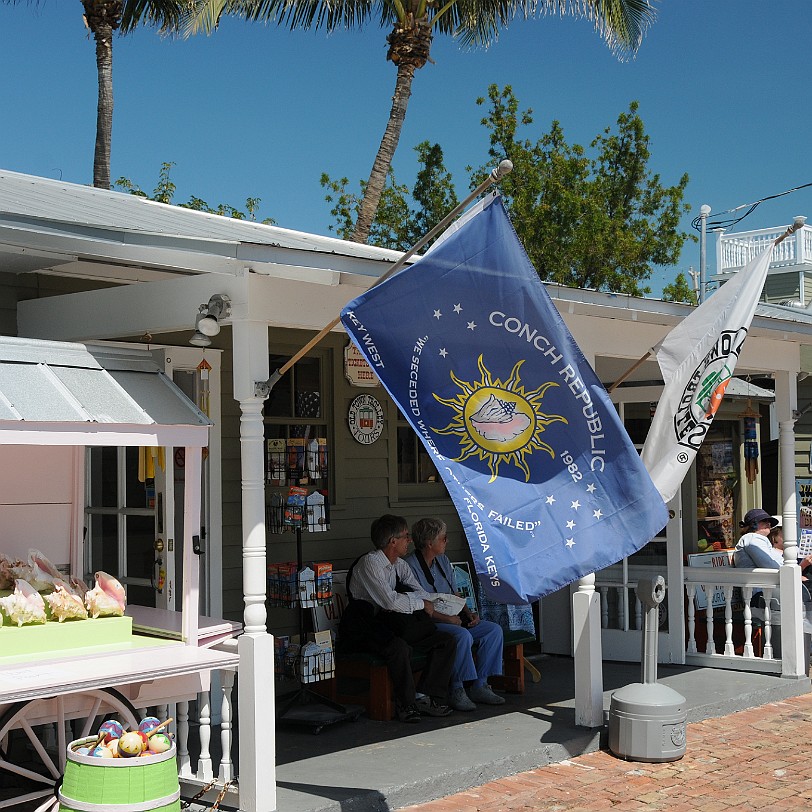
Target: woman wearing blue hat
<point>754,548</point>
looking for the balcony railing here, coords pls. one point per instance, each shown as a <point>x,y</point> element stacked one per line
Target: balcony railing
<point>206,767</point>
<point>749,638</point>
<point>734,251</point>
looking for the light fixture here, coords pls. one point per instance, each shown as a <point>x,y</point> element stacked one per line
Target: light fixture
<point>219,307</point>
<point>199,339</point>
<point>207,321</point>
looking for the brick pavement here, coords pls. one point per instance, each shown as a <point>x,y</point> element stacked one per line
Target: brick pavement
<point>754,759</point>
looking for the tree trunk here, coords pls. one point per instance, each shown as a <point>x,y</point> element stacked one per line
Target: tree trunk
<point>386,152</point>
<point>104,110</point>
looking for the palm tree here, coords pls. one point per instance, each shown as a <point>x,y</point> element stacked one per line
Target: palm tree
<point>621,23</point>
<point>103,18</point>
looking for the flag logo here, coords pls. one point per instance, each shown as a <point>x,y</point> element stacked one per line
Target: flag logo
<point>706,387</point>
<point>499,422</point>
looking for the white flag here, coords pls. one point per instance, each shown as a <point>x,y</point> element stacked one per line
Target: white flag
<point>697,359</point>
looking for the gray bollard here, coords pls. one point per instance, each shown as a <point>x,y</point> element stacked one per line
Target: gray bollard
<point>646,719</point>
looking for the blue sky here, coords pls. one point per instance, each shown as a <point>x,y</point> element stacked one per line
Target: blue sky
<point>256,111</point>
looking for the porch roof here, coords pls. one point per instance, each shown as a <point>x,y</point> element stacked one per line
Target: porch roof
<point>55,226</point>
<point>82,394</point>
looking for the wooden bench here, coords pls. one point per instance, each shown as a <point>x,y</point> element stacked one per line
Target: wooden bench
<point>362,679</point>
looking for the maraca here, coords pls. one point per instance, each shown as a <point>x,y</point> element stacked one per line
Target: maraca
<point>113,745</point>
<point>130,745</point>
<point>148,724</point>
<point>111,729</point>
<point>101,751</point>
<point>159,743</point>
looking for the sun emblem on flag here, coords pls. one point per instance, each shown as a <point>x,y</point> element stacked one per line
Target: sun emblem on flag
<point>499,421</point>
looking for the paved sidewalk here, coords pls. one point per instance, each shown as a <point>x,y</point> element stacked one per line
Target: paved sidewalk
<point>759,758</point>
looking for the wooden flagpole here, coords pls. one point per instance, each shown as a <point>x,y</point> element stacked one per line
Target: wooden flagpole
<point>797,223</point>
<point>636,365</point>
<point>263,388</point>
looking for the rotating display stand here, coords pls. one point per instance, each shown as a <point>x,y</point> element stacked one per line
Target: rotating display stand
<point>304,706</point>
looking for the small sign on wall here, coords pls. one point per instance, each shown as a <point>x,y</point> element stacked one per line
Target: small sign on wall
<point>356,369</point>
<point>365,419</point>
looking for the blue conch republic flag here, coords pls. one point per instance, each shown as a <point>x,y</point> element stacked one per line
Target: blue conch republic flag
<point>542,473</point>
<point>697,359</point>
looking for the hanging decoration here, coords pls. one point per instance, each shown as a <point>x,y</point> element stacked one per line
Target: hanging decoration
<point>203,403</point>
<point>750,448</point>
<point>203,369</point>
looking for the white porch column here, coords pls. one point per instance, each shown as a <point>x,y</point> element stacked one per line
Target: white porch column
<point>586,633</point>
<point>792,641</point>
<point>256,648</point>
<point>588,654</point>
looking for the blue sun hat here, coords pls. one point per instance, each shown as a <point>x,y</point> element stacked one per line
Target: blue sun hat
<point>756,515</point>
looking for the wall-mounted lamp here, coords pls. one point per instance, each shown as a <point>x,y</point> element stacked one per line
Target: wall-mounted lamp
<point>198,339</point>
<point>207,321</point>
<point>218,308</point>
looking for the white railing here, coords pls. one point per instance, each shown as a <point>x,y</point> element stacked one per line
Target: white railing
<point>734,251</point>
<point>215,778</point>
<point>620,607</point>
<point>747,655</point>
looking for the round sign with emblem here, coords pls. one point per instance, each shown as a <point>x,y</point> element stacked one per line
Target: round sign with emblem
<point>365,419</point>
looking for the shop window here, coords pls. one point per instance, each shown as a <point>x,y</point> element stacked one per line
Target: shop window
<point>120,521</point>
<point>637,421</point>
<point>717,478</point>
<point>297,460</point>
<point>417,476</point>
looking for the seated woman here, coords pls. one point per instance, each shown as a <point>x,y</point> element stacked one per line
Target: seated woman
<point>434,572</point>
<point>763,547</point>
<point>754,549</point>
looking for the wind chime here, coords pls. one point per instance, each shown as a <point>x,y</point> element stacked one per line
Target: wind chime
<point>750,417</point>
<point>203,369</point>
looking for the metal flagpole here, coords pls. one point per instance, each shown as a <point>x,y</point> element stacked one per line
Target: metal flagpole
<point>263,388</point>
<point>704,211</point>
<point>797,223</point>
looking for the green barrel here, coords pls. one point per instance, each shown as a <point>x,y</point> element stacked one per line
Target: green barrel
<point>119,784</point>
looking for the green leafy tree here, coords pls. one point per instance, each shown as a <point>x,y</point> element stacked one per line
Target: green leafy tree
<point>103,18</point>
<point>596,218</point>
<point>413,24</point>
<point>679,291</point>
<point>398,224</point>
<point>164,192</point>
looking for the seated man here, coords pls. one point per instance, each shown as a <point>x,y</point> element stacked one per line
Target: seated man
<point>432,568</point>
<point>389,614</point>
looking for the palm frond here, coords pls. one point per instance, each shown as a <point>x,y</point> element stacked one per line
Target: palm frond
<point>293,14</point>
<point>621,23</point>
<point>166,15</point>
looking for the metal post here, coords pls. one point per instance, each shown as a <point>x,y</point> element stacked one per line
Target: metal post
<point>704,211</point>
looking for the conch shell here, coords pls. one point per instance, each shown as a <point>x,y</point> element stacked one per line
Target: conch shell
<point>78,586</point>
<point>64,604</point>
<point>107,598</point>
<point>21,570</point>
<point>499,420</point>
<point>24,605</point>
<point>6,575</point>
<point>43,572</point>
